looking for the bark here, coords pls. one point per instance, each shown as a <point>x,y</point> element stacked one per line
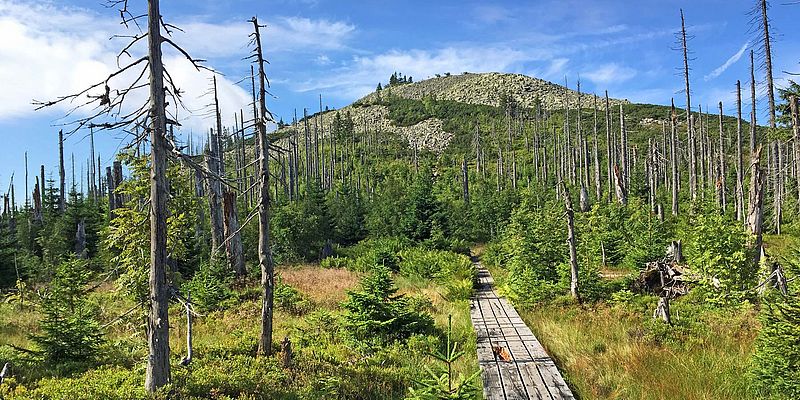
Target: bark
<point>796,132</point>
<point>674,158</point>
<point>80,240</point>
<point>619,185</point>
<point>465,177</point>
<point>158,368</point>
<point>689,127</point>
<point>623,144</point>
<point>739,161</point>
<point>214,193</point>
<point>573,253</point>
<point>755,212</point>
<point>62,183</point>
<point>609,144</point>
<point>597,184</point>
<point>721,150</point>
<point>768,64</point>
<point>753,113</point>
<point>264,254</point>
<point>233,244</point>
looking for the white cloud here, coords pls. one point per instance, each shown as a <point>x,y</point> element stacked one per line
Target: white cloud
<point>609,73</point>
<point>362,74</point>
<point>71,51</point>
<point>281,34</point>
<point>733,59</point>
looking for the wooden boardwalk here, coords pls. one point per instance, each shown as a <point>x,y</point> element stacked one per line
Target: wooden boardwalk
<point>514,365</point>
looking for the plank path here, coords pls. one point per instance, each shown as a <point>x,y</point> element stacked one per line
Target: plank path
<point>514,365</point>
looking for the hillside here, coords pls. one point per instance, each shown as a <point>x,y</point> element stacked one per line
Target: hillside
<point>483,90</point>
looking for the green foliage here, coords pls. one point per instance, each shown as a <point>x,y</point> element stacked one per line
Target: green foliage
<point>534,245</point>
<point>377,315</point>
<point>210,286</point>
<point>347,215</point>
<point>717,251</point>
<point>776,362</point>
<point>383,252</point>
<point>128,233</point>
<point>299,230</point>
<point>70,332</point>
<point>442,383</point>
<point>290,299</point>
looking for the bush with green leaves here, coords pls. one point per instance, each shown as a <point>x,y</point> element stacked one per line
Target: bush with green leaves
<point>534,244</point>
<point>442,383</point>
<point>290,299</point>
<point>377,315</point>
<point>718,254</point>
<point>210,286</point>
<point>454,271</point>
<point>70,332</point>
<point>383,251</point>
<point>776,362</point>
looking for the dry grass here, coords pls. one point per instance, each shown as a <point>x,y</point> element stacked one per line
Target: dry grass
<point>327,287</point>
<point>607,353</point>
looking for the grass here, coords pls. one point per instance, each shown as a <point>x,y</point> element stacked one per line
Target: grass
<point>326,363</point>
<point>619,352</point>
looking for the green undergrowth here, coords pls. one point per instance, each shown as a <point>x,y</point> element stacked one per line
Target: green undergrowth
<point>330,361</point>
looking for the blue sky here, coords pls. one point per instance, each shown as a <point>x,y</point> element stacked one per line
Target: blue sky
<point>342,49</point>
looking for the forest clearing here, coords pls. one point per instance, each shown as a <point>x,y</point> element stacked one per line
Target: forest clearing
<point>474,235</point>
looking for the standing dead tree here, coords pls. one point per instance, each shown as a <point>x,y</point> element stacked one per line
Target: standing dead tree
<point>683,39</point>
<point>573,253</point>
<point>264,253</point>
<point>108,110</point>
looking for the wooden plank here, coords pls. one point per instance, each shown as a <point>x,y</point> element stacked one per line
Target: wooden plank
<point>530,373</point>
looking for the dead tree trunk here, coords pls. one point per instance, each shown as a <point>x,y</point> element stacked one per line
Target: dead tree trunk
<point>619,185</point>
<point>674,157</point>
<point>689,127</point>
<point>721,150</point>
<point>573,253</point>
<point>62,178</point>
<point>597,184</point>
<point>158,369</point>
<point>796,132</point>
<point>233,245</point>
<point>609,144</point>
<point>264,254</point>
<point>739,162</point>
<point>755,212</point>
<point>214,192</point>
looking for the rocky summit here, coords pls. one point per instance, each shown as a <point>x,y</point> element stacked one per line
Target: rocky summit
<point>469,88</point>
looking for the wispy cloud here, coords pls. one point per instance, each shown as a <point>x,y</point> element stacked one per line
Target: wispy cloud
<point>732,60</point>
<point>609,73</point>
<point>72,51</point>
<point>361,75</point>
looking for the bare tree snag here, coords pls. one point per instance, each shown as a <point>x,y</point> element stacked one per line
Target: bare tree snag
<point>214,192</point>
<point>721,179</point>
<point>609,144</point>
<point>233,245</point>
<point>755,212</point>
<point>62,184</point>
<point>796,134</point>
<point>573,253</point>
<point>264,254</point>
<point>689,125</point>
<point>739,161</point>
<point>158,368</point>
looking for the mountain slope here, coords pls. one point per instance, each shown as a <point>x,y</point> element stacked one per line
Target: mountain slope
<point>430,133</point>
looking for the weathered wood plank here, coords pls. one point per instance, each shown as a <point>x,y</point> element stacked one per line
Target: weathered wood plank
<point>528,372</point>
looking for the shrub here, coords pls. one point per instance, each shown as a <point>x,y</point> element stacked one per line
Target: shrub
<point>209,287</point>
<point>70,332</point>
<point>376,315</point>
<point>777,357</point>
<point>290,299</point>
<point>717,251</point>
